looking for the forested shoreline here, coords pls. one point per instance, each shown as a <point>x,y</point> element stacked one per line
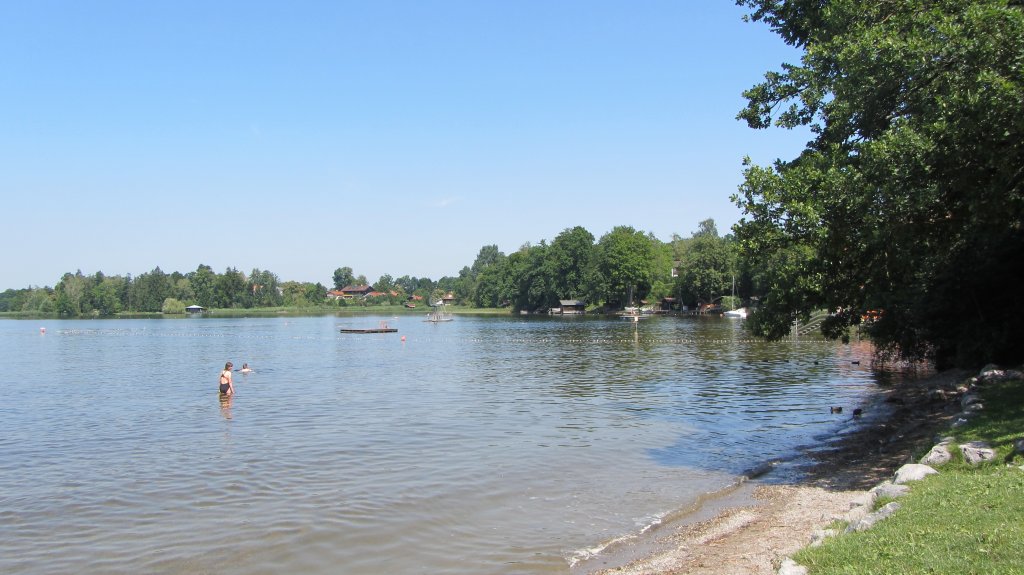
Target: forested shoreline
<point>624,267</point>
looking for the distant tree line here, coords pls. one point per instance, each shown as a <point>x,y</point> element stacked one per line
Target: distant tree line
<point>623,267</point>
<point>77,294</point>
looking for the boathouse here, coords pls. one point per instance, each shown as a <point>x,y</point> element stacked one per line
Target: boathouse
<point>572,306</point>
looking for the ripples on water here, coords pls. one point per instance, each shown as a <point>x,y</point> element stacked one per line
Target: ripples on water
<point>483,445</point>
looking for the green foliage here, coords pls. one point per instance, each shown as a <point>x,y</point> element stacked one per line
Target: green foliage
<point>534,278</point>
<point>106,296</point>
<point>384,284</point>
<point>909,198</point>
<point>707,264</point>
<point>263,289</point>
<point>625,262</point>
<point>488,291</point>
<point>173,307</point>
<point>203,282</point>
<point>31,300</point>
<point>571,264</point>
<point>343,277</point>
<point>525,284</point>
<point>230,290</point>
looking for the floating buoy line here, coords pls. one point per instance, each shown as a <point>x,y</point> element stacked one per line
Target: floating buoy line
<point>435,339</point>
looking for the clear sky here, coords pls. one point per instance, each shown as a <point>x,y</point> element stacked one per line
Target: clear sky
<point>393,137</point>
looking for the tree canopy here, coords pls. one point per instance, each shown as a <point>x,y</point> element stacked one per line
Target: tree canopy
<point>908,200</point>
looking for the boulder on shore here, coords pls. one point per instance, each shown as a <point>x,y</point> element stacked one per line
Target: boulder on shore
<point>938,455</point>
<point>912,472</point>
<point>890,490</point>
<point>976,452</point>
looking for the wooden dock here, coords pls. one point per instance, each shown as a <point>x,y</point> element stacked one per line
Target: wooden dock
<point>382,328</point>
<point>371,330</point>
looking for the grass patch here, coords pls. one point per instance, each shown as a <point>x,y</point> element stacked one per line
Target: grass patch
<point>961,521</point>
<point>1002,420</point>
<point>964,520</point>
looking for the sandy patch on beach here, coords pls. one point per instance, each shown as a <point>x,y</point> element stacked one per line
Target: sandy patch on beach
<point>747,540</point>
<point>754,539</point>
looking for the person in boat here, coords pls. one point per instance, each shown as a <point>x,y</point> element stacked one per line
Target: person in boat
<point>227,387</point>
<point>245,368</point>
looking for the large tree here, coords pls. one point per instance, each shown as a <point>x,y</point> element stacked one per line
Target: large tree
<point>343,277</point>
<point>707,264</point>
<point>571,264</point>
<point>230,290</point>
<point>203,282</point>
<point>525,283</point>
<point>263,289</point>
<point>625,262</point>
<point>908,200</point>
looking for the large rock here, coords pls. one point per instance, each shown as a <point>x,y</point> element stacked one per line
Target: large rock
<point>977,452</point>
<point>890,490</point>
<point>869,521</point>
<point>860,506</point>
<point>970,399</point>
<point>992,374</point>
<point>912,472</point>
<point>939,455</point>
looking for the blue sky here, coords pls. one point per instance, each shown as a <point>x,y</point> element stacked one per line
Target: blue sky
<point>393,137</point>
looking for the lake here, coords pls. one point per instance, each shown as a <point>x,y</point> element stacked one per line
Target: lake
<point>485,445</point>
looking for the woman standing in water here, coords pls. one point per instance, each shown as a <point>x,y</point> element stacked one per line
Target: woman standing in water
<point>226,385</point>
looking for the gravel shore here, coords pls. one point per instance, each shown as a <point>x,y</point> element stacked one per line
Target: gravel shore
<point>754,539</point>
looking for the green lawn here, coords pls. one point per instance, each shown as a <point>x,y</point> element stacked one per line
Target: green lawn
<point>964,520</point>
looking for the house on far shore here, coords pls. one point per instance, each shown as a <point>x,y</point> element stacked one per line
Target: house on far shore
<point>350,292</point>
<point>195,309</point>
<point>570,307</point>
<point>448,299</point>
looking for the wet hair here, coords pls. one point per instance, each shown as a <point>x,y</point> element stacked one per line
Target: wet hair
<point>228,365</point>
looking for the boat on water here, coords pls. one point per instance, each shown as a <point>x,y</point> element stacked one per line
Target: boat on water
<point>634,314</point>
<point>439,314</point>
<point>739,313</point>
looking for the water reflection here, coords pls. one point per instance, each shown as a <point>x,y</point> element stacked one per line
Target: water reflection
<point>225,405</point>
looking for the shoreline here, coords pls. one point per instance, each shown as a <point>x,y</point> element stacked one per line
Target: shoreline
<point>751,528</point>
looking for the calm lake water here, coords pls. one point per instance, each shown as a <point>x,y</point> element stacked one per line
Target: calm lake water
<point>486,445</point>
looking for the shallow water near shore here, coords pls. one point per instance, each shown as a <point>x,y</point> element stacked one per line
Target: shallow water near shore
<point>485,445</point>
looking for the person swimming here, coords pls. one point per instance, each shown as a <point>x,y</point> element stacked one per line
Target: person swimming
<point>245,368</point>
<point>227,387</point>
